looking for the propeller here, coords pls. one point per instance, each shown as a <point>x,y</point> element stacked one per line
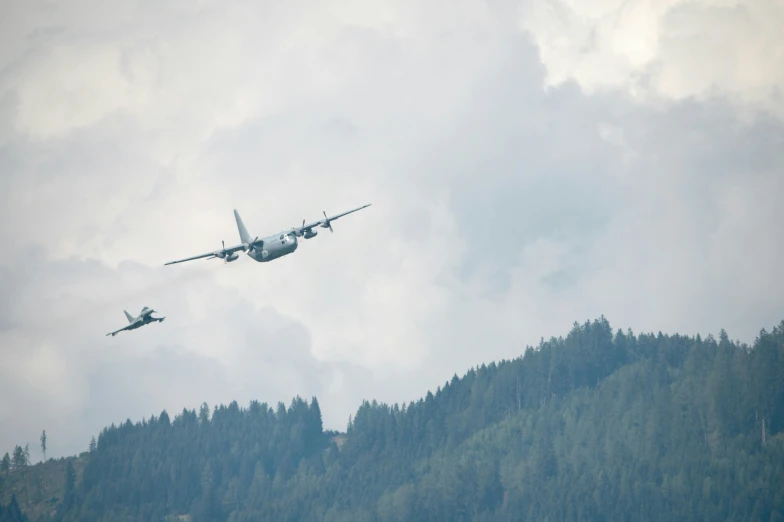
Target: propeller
<point>225,255</point>
<point>299,232</point>
<point>326,224</point>
<point>252,245</point>
<point>220,253</point>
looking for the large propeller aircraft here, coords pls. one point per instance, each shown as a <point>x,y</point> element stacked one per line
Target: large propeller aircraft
<point>145,317</point>
<point>270,247</point>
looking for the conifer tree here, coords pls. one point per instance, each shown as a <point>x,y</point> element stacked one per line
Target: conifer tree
<point>5,464</point>
<point>43,444</point>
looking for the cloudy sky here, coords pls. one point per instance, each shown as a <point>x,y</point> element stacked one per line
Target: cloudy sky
<point>530,163</point>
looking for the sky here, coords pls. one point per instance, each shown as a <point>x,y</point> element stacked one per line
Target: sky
<point>530,163</point>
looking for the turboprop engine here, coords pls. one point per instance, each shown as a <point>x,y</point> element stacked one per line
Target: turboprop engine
<point>306,233</point>
<point>227,257</point>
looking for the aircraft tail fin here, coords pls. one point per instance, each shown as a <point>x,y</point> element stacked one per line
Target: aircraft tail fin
<point>129,316</point>
<point>244,236</point>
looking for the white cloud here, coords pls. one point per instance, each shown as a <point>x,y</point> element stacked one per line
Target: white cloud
<point>501,213</point>
<point>673,49</point>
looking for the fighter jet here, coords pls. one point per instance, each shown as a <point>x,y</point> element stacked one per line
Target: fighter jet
<point>145,317</point>
<point>270,247</point>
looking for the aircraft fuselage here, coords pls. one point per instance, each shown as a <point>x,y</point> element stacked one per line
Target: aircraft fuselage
<point>274,247</point>
<point>147,319</point>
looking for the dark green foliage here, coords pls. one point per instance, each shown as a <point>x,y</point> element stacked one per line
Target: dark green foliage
<point>193,464</point>
<point>594,426</point>
<point>19,460</point>
<point>70,479</point>
<point>43,444</point>
<point>12,513</point>
<point>20,463</point>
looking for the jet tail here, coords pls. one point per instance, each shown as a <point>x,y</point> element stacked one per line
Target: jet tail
<point>129,316</point>
<point>244,236</point>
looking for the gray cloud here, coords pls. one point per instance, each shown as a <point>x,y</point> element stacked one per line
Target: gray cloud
<point>502,211</point>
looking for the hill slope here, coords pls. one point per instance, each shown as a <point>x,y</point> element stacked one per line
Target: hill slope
<point>594,426</point>
<point>39,489</point>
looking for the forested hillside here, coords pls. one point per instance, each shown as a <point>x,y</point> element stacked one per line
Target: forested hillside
<point>595,426</point>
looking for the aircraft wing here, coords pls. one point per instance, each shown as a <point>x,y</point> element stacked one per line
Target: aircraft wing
<point>118,331</point>
<point>229,250</point>
<point>333,218</point>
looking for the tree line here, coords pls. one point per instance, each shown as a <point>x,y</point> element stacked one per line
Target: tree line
<point>594,425</point>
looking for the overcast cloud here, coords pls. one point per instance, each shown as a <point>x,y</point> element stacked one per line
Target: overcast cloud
<point>530,164</point>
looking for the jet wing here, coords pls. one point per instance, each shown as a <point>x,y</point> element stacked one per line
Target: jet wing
<point>118,331</point>
<point>332,218</point>
<point>229,250</point>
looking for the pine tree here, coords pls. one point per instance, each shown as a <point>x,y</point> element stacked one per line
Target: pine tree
<point>17,461</point>
<point>20,462</point>
<point>5,464</point>
<point>43,444</point>
<point>12,513</point>
<point>70,484</point>
<point>70,477</point>
<point>204,414</point>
